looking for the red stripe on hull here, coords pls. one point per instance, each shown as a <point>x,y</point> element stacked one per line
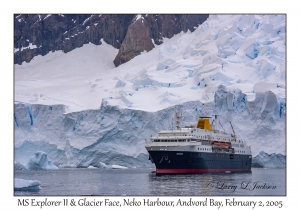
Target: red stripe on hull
<point>195,171</point>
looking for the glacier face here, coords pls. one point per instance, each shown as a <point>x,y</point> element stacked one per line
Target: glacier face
<point>40,161</point>
<point>85,113</point>
<point>116,136</point>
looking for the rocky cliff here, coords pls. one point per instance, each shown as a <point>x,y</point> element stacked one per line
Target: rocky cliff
<point>40,34</point>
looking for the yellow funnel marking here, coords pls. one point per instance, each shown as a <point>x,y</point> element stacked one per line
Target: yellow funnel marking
<point>203,123</point>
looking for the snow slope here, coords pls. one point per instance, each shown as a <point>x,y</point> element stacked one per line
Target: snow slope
<point>79,103</point>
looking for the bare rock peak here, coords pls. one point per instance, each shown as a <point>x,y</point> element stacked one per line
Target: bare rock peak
<point>130,33</point>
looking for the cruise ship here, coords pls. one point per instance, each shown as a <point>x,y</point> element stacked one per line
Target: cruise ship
<point>198,149</point>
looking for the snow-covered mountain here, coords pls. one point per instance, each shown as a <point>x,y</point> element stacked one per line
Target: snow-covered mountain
<point>83,111</point>
<point>39,34</point>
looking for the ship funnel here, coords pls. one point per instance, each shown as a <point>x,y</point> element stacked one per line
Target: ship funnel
<point>203,123</point>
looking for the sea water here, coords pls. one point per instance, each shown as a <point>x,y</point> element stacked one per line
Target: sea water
<point>142,182</point>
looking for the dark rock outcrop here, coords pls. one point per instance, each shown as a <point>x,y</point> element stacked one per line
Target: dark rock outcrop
<point>65,32</point>
<point>145,28</point>
<point>40,34</point>
<point>136,41</point>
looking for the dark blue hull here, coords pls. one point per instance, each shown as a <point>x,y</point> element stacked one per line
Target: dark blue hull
<point>177,162</point>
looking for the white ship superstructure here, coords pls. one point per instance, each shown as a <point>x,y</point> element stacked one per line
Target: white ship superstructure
<point>198,149</point>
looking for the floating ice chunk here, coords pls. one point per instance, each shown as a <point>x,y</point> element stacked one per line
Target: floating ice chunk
<point>92,167</point>
<point>27,185</point>
<point>19,166</point>
<point>103,165</point>
<point>40,161</point>
<point>264,160</point>
<point>118,167</point>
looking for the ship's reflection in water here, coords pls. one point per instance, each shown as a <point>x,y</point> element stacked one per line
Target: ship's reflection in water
<point>197,184</point>
<point>257,182</point>
<point>141,182</point>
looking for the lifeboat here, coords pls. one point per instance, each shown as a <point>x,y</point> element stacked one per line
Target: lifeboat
<point>221,144</point>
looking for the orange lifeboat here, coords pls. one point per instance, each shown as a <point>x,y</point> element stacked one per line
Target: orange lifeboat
<point>221,144</point>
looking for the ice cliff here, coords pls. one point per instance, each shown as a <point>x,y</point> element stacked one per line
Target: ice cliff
<point>40,161</point>
<point>112,135</point>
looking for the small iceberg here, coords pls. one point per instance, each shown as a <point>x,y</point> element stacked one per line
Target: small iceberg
<point>27,185</point>
<point>118,167</point>
<point>103,165</point>
<point>40,161</point>
<point>19,166</point>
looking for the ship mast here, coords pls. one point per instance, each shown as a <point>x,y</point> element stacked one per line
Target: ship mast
<point>178,115</point>
<point>212,123</point>
<point>232,130</point>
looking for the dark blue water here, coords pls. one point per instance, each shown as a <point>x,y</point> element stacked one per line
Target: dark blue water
<point>142,182</point>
